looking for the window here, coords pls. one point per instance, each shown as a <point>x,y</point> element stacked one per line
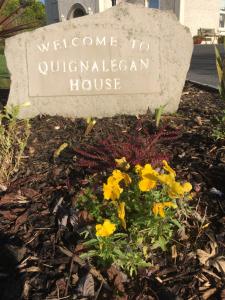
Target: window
<point>153,4</point>
<point>222,20</point>
<point>76,11</point>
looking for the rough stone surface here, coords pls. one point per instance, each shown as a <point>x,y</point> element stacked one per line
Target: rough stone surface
<point>121,61</point>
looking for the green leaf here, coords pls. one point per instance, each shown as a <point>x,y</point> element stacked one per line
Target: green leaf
<point>91,242</point>
<point>89,254</point>
<point>219,64</point>
<point>176,222</point>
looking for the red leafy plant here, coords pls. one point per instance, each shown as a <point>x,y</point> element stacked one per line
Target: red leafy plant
<point>138,147</point>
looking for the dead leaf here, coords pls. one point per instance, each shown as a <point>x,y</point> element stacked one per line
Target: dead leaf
<point>20,221</point>
<point>61,284</point>
<point>222,295</point>
<point>209,293</point>
<point>29,193</point>
<point>203,256</point>
<point>174,252</point>
<point>33,269</point>
<point>8,215</point>
<point>198,120</point>
<point>26,290</point>
<point>85,216</point>
<point>58,204</point>
<point>219,264</point>
<point>31,150</point>
<point>87,286</point>
<point>8,199</point>
<point>75,279</point>
<point>118,278</point>
<point>182,234</point>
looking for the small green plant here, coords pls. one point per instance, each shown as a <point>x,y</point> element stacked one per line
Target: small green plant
<point>158,114</point>
<point>137,213</point>
<point>14,134</point>
<point>90,125</point>
<point>219,131</point>
<point>220,65</point>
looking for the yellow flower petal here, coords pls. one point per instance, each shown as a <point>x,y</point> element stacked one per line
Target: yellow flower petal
<point>122,163</point>
<point>146,185</point>
<point>169,204</point>
<point>161,211</point>
<point>187,187</point>
<point>112,191</point>
<point>158,210</point>
<point>117,175</point>
<point>167,168</point>
<point>127,179</point>
<point>121,214</point>
<point>138,168</point>
<point>155,209</point>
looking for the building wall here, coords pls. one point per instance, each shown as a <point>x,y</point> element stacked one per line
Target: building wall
<point>104,4</point>
<point>201,14</point>
<point>57,10</point>
<point>172,5</point>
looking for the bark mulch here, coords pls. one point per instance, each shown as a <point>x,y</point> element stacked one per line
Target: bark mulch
<point>39,248</point>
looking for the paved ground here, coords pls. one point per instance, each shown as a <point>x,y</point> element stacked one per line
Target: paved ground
<point>203,65</point>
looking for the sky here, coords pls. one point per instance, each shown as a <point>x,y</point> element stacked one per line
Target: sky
<point>223,3</point>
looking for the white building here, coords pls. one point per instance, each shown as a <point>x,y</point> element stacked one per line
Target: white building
<point>195,14</point>
<point>58,10</point>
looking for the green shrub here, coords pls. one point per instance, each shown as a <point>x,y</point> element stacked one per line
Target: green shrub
<point>14,134</point>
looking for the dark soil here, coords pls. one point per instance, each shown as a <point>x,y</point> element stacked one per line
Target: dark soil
<point>37,240</point>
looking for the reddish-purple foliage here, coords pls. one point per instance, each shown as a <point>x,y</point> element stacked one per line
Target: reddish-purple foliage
<point>138,147</point>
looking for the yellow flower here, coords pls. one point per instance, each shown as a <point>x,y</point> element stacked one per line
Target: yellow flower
<point>176,190</point>
<point>122,163</point>
<point>121,214</point>
<point>119,176</point>
<point>106,229</point>
<point>149,177</point>
<point>112,190</point>
<point>158,208</point>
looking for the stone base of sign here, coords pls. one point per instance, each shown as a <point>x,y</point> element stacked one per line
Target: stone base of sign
<point>122,61</point>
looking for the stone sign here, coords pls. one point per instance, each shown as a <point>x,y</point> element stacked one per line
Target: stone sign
<point>121,61</point>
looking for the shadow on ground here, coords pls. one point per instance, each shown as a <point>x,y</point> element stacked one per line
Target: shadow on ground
<point>11,282</point>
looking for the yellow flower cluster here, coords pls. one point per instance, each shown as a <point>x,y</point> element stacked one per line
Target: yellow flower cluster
<point>150,178</point>
<point>112,190</point>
